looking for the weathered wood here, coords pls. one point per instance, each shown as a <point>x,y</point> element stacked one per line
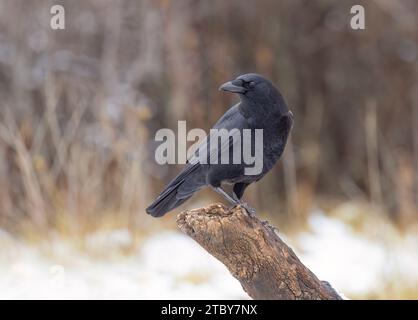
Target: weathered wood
<point>254,254</point>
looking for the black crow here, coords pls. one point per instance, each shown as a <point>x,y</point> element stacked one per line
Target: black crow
<point>261,107</point>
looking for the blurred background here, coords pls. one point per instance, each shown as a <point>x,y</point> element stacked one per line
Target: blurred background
<point>79,109</point>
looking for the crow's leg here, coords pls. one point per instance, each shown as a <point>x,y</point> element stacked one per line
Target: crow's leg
<point>225,195</point>
<point>239,189</point>
<point>251,211</point>
<point>235,201</point>
<point>238,192</point>
<point>235,197</point>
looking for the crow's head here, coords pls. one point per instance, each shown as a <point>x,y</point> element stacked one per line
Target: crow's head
<point>256,89</point>
<point>250,85</point>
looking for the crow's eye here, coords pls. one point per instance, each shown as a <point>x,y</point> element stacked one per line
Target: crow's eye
<point>249,85</point>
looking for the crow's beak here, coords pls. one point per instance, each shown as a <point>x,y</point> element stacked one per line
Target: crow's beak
<point>231,87</point>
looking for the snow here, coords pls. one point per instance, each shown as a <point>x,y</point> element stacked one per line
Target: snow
<point>350,263</point>
<point>358,264</point>
<point>167,266</point>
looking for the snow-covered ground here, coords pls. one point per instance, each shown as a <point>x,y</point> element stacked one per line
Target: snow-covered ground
<point>356,264</point>
<point>169,265</point>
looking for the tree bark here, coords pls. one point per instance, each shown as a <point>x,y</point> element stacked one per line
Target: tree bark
<point>254,254</point>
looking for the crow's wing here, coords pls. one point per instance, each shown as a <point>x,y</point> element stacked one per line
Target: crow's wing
<point>232,121</point>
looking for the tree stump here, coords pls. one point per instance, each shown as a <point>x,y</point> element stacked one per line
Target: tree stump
<point>254,254</point>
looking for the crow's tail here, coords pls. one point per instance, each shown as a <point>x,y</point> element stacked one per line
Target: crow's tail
<point>163,205</point>
<point>177,192</point>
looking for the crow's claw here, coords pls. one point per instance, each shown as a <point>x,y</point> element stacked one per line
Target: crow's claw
<point>251,211</point>
<point>265,223</point>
